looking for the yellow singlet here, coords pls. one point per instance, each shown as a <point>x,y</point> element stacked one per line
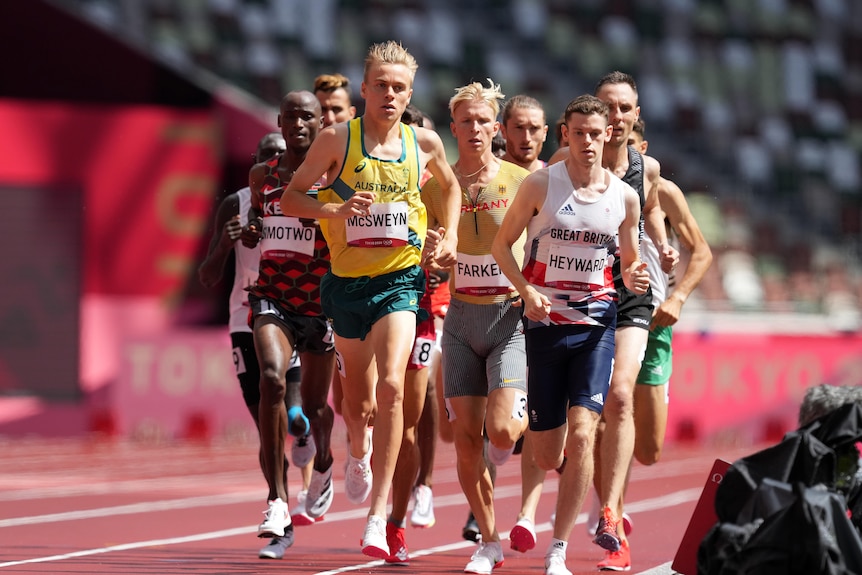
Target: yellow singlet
<point>475,278</point>
<point>390,238</point>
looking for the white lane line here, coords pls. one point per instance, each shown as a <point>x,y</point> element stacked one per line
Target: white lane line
<point>662,502</point>
<point>137,545</point>
<point>132,509</point>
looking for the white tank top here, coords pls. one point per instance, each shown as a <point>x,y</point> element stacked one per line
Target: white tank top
<point>245,273</point>
<point>570,249</point>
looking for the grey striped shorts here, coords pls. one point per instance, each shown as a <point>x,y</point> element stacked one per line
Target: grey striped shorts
<point>483,349</point>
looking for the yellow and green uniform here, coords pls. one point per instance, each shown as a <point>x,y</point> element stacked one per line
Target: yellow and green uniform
<point>389,238</point>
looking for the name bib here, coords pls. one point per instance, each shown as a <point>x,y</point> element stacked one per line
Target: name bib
<point>480,275</point>
<point>384,227</point>
<point>285,237</point>
<point>577,268</point>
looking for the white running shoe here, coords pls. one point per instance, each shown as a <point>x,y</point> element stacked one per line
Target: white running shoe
<point>555,564</point>
<point>522,537</point>
<point>374,539</point>
<point>276,519</point>
<point>302,450</point>
<point>298,517</point>
<point>320,493</point>
<point>423,507</point>
<point>485,559</point>
<point>277,545</point>
<point>499,456</point>
<point>593,515</point>
<point>357,473</point>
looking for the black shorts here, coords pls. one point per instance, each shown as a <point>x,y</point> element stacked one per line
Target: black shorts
<point>310,333</point>
<point>632,309</point>
<point>248,370</point>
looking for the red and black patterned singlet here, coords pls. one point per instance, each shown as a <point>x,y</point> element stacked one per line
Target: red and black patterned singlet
<point>293,254</point>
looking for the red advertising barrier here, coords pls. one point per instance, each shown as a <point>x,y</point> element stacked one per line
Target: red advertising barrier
<point>179,385</point>
<point>752,383</point>
<point>144,181</point>
<point>149,177</point>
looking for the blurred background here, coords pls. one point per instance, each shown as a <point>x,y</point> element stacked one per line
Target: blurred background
<point>124,122</point>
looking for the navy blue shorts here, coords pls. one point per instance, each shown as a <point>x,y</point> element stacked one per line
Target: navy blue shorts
<point>569,365</point>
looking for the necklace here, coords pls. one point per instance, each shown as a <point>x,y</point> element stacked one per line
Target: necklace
<point>463,175</point>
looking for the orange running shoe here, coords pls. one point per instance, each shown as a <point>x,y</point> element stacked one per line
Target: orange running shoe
<point>606,534</point>
<point>617,560</point>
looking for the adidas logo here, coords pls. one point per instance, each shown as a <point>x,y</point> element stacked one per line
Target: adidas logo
<point>598,398</point>
<point>567,210</point>
<point>559,545</point>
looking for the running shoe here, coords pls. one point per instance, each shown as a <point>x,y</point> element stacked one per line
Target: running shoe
<point>298,516</point>
<point>471,531</point>
<point>593,515</point>
<point>357,479</point>
<point>277,545</point>
<point>303,450</point>
<point>606,534</point>
<point>485,559</point>
<point>522,537</point>
<point>592,523</point>
<point>423,507</point>
<point>397,545</point>
<point>276,518</point>
<point>320,493</point>
<point>617,560</point>
<point>374,539</point>
<point>499,456</point>
<point>555,564</point>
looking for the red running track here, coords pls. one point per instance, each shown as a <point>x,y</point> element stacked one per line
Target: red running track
<point>85,506</point>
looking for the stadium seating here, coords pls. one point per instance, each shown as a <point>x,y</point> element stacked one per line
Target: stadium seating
<point>755,105</point>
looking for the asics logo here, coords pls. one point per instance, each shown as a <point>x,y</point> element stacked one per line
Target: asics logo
<point>360,167</point>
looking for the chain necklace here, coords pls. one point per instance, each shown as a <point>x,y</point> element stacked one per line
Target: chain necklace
<point>463,175</point>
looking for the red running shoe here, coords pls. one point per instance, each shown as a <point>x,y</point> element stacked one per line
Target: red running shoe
<point>397,545</point>
<point>606,534</point>
<point>617,560</point>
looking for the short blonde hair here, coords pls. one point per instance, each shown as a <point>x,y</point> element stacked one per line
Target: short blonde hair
<point>475,91</point>
<point>331,82</point>
<point>390,52</point>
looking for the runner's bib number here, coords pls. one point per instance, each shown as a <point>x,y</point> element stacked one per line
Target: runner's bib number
<point>480,275</point>
<point>385,226</point>
<point>285,237</point>
<point>580,268</point>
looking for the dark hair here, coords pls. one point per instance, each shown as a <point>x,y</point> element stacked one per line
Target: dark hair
<point>498,145</point>
<point>413,116</point>
<point>640,127</point>
<point>520,101</point>
<point>617,77</point>
<point>586,104</point>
